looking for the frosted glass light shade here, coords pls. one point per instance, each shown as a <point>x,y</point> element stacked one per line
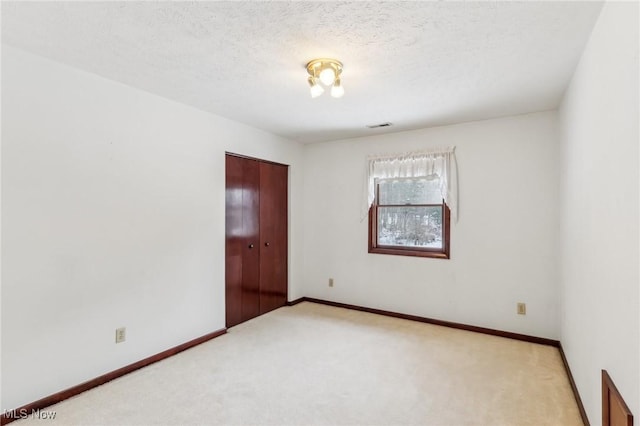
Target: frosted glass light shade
<point>327,76</point>
<point>337,90</point>
<point>316,90</point>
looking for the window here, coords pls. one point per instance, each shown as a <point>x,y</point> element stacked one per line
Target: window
<point>410,199</point>
<point>408,217</point>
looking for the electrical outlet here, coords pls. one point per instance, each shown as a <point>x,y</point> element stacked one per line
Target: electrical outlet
<point>121,334</point>
<point>330,282</point>
<point>522,309</point>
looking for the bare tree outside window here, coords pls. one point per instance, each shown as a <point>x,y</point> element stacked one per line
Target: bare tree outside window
<point>409,217</point>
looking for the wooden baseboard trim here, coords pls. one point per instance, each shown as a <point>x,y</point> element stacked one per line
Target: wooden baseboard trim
<point>491,331</point>
<point>574,388</point>
<point>11,415</point>
<point>296,301</point>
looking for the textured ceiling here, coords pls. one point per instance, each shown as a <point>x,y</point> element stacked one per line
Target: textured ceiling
<point>414,64</point>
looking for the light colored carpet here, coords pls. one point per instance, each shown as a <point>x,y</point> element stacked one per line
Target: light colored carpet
<point>312,364</point>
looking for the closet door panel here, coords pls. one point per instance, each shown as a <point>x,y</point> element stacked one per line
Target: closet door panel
<point>273,236</point>
<point>251,240</point>
<point>234,240</point>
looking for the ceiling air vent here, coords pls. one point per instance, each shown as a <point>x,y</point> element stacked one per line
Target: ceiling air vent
<point>375,126</point>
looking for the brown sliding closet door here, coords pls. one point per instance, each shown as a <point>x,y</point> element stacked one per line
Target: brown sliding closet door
<point>256,238</point>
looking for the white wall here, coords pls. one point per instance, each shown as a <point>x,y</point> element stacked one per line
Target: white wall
<point>113,215</point>
<point>503,249</point>
<point>599,214</point>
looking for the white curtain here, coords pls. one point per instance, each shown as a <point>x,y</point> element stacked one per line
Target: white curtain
<point>437,164</point>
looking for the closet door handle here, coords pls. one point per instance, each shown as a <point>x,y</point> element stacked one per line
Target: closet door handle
<point>250,246</point>
<point>266,244</point>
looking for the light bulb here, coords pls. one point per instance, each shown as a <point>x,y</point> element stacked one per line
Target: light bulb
<point>337,90</point>
<point>327,76</point>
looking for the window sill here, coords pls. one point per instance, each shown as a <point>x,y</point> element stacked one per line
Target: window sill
<point>409,252</point>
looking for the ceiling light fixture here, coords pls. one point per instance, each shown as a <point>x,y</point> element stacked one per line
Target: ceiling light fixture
<point>327,72</point>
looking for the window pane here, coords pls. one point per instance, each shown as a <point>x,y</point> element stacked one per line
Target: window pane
<point>410,226</point>
<point>403,191</point>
